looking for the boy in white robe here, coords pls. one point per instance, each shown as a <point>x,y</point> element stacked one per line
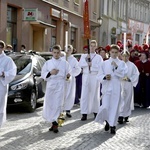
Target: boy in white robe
<point>110,73</point>
<point>90,96</point>
<point>70,86</point>
<point>7,74</point>
<point>129,81</point>
<point>55,71</point>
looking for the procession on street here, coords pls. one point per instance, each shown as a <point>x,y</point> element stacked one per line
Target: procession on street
<point>105,81</point>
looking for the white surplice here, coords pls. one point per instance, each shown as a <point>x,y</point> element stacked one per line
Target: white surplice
<point>127,94</point>
<point>54,96</point>
<point>9,68</point>
<point>90,96</point>
<point>111,91</point>
<point>70,85</point>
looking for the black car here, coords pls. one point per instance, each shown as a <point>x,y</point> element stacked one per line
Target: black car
<point>45,55</point>
<point>28,86</point>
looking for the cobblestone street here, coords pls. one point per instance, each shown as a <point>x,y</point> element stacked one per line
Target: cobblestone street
<point>28,131</point>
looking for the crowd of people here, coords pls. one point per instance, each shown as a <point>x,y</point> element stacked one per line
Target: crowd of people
<point>113,81</point>
<point>110,76</point>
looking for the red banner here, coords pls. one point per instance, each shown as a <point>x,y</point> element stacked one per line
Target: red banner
<point>86,20</point>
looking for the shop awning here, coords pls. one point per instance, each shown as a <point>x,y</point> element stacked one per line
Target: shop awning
<point>42,24</point>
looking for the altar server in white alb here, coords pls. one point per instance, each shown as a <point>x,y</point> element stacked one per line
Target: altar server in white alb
<point>70,86</point>
<point>129,81</point>
<point>7,74</point>
<point>90,96</point>
<point>110,74</point>
<point>55,71</point>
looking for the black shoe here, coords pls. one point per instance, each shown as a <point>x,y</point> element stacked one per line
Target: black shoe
<point>68,114</point>
<point>126,119</point>
<point>120,120</point>
<point>84,117</point>
<point>51,128</point>
<point>95,114</point>
<point>55,127</point>
<point>113,130</point>
<point>107,126</point>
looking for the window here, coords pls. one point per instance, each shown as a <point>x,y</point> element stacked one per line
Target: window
<point>114,9</point>
<point>56,1</point>
<point>110,8</point>
<point>54,33</point>
<point>11,37</point>
<point>121,9</point>
<point>140,12</point>
<point>95,6</point>
<point>66,3</point>
<point>129,10</point>
<point>105,7</point>
<point>136,11</point>
<point>23,65</point>
<point>137,38</point>
<point>146,13</point>
<point>73,37</point>
<point>124,10</point>
<point>76,2</point>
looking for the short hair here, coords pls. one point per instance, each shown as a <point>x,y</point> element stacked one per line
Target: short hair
<point>23,46</point>
<point>126,53</point>
<point>114,46</point>
<point>9,46</point>
<point>2,43</point>
<point>71,47</point>
<point>93,41</point>
<point>56,47</point>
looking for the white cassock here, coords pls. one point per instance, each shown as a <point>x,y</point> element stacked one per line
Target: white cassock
<point>70,85</point>
<point>90,96</point>
<point>54,96</point>
<point>127,94</point>
<point>9,68</point>
<point>111,91</point>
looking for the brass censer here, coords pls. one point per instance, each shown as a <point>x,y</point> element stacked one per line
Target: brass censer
<point>61,120</point>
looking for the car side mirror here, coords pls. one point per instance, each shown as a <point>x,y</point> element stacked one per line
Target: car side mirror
<point>36,72</point>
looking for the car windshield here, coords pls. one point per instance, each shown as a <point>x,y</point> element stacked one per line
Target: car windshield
<point>23,65</point>
<point>46,57</point>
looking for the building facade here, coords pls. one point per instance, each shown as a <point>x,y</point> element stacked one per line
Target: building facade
<point>40,24</point>
<point>120,16</point>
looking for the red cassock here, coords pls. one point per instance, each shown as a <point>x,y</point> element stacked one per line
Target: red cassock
<point>142,91</point>
<point>143,67</point>
<point>133,59</point>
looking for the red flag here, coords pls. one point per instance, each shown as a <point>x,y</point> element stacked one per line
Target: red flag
<point>86,20</point>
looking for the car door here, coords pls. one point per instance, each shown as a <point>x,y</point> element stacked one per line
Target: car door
<point>38,80</point>
<point>43,83</point>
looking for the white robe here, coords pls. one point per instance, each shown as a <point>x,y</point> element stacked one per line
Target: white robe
<point>54,96</point>
<point>9,68</point>
<point>127,93</point>
<point>111,91</point>
<point>70,85</point>
<point>90,96</point>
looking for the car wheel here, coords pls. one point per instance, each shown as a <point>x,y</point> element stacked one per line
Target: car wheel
<point>32,103</point>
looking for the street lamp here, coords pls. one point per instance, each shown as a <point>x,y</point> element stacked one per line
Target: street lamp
<point>99,23</point>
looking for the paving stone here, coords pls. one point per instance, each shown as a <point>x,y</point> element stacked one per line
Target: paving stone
<point>29,131</point>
